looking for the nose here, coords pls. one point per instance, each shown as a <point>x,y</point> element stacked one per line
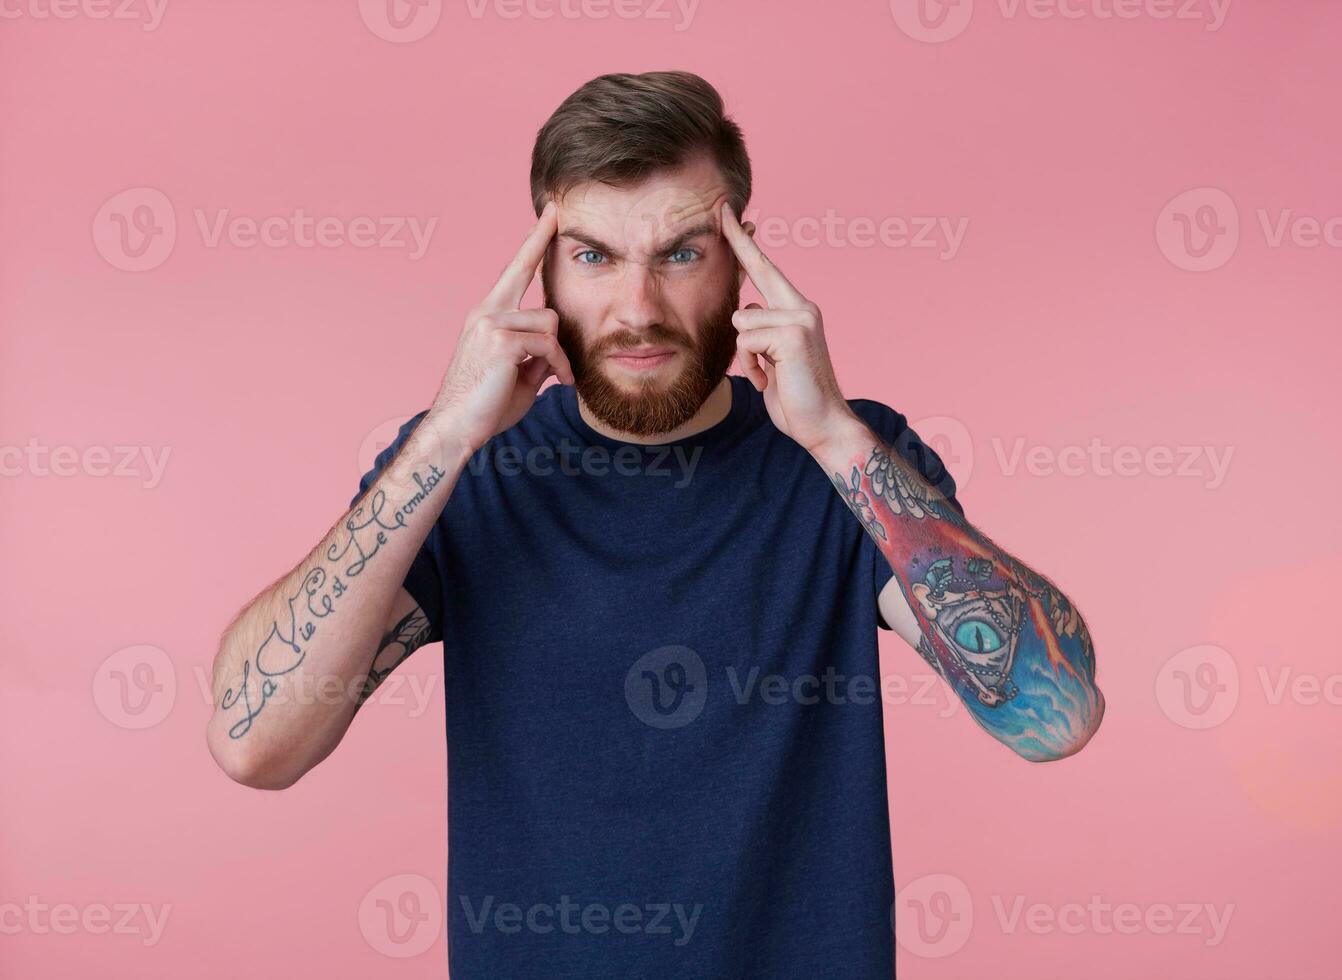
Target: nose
<point>638,304</point>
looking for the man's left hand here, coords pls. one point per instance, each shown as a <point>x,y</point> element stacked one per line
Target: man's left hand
<point>782,350</point>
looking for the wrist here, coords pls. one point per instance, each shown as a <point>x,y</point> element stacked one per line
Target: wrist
<point>841,438</point>
<point>444,440</point>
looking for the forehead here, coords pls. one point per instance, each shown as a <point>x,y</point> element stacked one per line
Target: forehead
<point>645,215</point>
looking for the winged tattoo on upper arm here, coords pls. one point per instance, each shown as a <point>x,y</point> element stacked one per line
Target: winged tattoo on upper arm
<point>410,633</point>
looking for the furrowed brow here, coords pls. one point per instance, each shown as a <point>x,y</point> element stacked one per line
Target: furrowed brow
<point>584,237</point>
<point>679,242</point>
<point>578,234</point>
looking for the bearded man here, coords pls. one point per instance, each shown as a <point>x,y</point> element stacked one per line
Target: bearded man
<point>657,587</point>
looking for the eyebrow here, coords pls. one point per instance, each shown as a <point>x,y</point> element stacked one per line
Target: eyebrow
<point>578,234</point>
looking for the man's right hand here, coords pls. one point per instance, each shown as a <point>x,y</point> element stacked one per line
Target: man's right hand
<point>321,623</point>
<point>504,354</point>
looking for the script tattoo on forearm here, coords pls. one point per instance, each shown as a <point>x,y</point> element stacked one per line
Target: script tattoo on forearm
<point>1010,644</point>
<point>285,646</point>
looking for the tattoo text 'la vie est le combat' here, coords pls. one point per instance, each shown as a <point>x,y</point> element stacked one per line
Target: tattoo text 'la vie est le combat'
<point>283,649</point>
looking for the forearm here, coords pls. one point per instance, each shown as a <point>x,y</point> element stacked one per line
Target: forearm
<point>294,665</point>
<point>1012,646</point>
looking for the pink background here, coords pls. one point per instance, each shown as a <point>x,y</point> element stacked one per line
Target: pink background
<point>1072,313</point>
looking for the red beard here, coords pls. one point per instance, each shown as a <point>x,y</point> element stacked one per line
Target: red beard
<point>655,407</point>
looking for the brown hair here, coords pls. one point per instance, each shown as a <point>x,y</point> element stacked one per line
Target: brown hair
<point>618,129</point>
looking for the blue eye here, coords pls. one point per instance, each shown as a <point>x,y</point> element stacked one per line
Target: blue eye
<point>978,636</point>
<point>691,255</point>
<point>590,251</point>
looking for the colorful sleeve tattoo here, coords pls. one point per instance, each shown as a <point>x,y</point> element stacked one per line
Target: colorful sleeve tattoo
<point>1011,645</point>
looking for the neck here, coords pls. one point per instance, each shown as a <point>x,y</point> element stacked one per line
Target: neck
<point>711,412</point>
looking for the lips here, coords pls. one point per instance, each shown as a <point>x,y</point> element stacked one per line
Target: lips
<point>642,352</point>
<point>642,358</point>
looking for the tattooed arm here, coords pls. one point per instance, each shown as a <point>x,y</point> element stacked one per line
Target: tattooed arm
<point>298,661</point>
<point>1007,641</point>
<point>1012,646</point>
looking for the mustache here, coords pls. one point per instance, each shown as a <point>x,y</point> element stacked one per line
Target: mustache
<point>657,333</point>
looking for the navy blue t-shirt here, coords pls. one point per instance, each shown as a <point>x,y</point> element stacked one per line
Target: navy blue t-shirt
<point>666,755</point>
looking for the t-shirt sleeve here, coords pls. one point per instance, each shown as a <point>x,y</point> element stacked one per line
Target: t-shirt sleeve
<point>894,431</point>
<point>424,579</point>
